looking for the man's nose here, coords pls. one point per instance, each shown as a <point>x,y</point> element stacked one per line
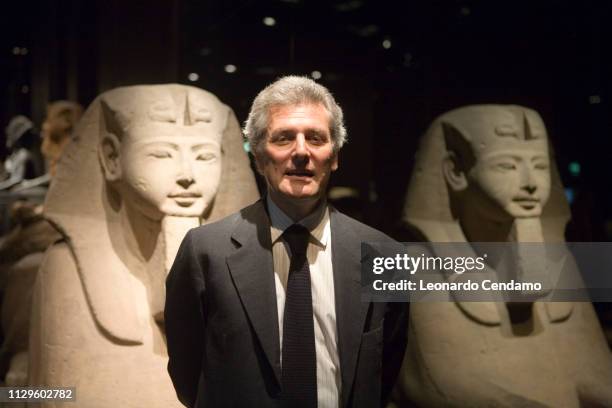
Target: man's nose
<point>300,152</point>
<point>300,144</point>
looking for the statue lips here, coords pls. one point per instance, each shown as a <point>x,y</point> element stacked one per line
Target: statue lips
<point>185,198</point>
<point>528,203</point>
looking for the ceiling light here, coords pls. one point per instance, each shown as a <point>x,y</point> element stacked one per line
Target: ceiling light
<point>269,21</point>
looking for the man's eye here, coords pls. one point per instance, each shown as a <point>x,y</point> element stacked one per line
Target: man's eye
<point>160,155</point>
<point>316,139</point>
<point>206,156</point>
<point>281,139</point>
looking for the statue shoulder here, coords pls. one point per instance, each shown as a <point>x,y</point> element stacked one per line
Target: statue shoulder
<point>58,271</point>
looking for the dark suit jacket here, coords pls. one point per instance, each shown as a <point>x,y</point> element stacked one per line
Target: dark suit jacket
<point>222,324</point>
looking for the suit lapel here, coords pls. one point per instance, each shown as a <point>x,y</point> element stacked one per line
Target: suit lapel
<point>252,271</point>
<point>350,310</point>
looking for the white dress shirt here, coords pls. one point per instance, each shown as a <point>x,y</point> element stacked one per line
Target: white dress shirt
<point>319,254</point>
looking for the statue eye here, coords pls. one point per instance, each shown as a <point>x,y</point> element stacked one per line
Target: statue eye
<point>541,166</point>
<point>506,166</point>
<point>160,154</point>
<point>206,157</point>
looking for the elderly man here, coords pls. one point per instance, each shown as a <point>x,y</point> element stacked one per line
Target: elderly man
<point>263,307</point>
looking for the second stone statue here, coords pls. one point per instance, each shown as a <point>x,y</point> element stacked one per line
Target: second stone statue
<point>485,174</point>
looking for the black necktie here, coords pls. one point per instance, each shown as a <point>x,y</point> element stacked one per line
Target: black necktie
<point>299,360</point>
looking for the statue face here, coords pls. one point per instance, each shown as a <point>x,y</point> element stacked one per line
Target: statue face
<point>170,169</point>
<point>511,177</point>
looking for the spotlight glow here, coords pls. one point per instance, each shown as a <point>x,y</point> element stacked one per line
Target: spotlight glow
<point>316,75</point>
<point>193,77</point>
<point>386,44</point>
<point>269,21</point>
<point>230,68</point>
<point>574,168</point>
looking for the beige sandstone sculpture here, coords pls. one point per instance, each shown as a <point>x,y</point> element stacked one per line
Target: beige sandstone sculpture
<point>146,164</point>
<point>484,174</point>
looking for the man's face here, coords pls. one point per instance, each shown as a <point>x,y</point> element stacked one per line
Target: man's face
<point>511,178</point>
<point>170,169</point>
<point>298,155</point>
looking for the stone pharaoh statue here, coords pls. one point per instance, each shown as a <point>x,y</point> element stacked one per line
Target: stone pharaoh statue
<point>146,164</point>
<point>485,174</point>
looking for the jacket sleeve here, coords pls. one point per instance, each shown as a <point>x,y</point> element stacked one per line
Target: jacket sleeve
<point>395,340</point>
<point>185,320</point>
<point>394,345</point>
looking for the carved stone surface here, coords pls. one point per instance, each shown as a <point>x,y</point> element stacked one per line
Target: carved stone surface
<point>146,164</point>
<point>484,174</point>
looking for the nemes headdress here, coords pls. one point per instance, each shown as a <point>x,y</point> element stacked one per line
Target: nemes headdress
<point>79,205</point>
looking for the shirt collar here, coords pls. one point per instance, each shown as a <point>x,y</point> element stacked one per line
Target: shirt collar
<point>317,222</point>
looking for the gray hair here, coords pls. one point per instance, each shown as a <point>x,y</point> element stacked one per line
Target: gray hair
<point>292,90</point>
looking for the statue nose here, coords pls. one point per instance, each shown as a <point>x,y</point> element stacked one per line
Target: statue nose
<point>527,180</point>
<point>185,182</point>
<point>185,176</point>
<point>530,189</point>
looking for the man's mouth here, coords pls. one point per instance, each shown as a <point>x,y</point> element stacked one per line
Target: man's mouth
<point>299,173</point>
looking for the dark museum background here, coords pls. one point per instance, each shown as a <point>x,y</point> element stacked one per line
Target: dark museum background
<point>394,66</point>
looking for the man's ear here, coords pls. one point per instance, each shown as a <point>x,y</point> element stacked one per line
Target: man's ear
<point>453,173</point>
<point>259,162</point>
<point>109,157</point>
<point>334,163</point>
